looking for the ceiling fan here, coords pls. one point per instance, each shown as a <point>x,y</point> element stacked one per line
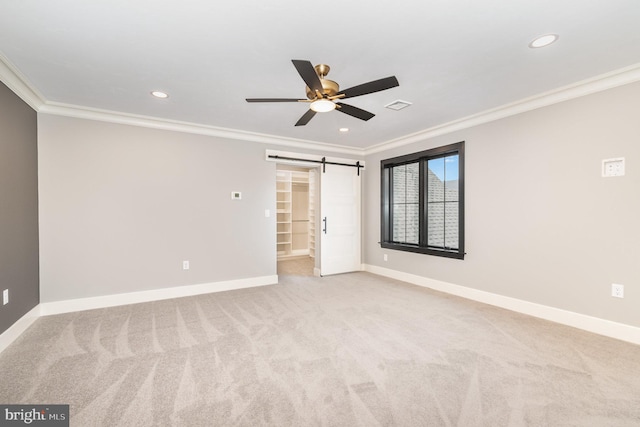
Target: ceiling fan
<point>323,93</point>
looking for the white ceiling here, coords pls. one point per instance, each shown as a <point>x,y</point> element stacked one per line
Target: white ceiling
<point>453,58</point>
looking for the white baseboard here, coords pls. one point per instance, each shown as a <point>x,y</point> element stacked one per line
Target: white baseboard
<point>596,325</point>
<point>80,304</point>
<point>15,330</point>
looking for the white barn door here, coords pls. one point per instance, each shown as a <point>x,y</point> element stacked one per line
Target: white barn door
<point>340,220</point>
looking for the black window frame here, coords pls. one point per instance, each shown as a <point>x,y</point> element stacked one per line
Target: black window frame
<point>386,193</point>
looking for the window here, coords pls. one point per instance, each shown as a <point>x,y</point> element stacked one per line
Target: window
<point>423,202</point>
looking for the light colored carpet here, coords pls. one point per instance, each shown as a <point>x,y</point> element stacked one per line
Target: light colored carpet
<point>297,266</point>
<point>346,350</point>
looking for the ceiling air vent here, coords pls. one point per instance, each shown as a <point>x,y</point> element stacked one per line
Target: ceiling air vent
<point>398,105</point>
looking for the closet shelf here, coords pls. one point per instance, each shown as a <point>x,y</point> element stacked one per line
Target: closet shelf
<point>292,186</point>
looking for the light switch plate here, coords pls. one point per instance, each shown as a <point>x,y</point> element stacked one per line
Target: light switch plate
<point>613,167</point>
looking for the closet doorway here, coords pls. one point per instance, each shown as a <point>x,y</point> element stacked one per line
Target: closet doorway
<point>297,199</point>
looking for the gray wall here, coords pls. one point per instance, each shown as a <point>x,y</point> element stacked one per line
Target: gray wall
<point>122,206</point>
<point>18,207</point>
<point>542,225</point>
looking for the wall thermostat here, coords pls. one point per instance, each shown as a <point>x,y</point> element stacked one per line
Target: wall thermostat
<point>236,195</point>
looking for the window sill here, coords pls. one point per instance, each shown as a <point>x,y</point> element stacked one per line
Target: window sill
<point>423,250</point>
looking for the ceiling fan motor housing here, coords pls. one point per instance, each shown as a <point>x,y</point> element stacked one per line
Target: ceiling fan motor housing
<point>329,87</point>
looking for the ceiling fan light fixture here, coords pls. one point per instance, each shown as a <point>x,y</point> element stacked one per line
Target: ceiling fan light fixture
<point>322,105</point>
<point>322,92</point>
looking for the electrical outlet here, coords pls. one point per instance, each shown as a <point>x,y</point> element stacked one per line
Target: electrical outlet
<point>613,167</point>
<point>617,290</point>
<point>385,257</point>
<point>185,265</point>
<point>5,297</point>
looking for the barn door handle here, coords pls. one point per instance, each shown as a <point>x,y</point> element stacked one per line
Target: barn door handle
<point>324,230</point>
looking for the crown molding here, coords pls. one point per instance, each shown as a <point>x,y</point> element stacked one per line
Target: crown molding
<point>18,83</point>
<point>76,111</point>
<point>10,76</point>
<point>589,86</point>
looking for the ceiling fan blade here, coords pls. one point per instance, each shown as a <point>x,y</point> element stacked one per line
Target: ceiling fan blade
<point>370,87</point>
<point>273,100</point>
<point>308,74</point>
<point>306,117</point>
<point>354,111</point>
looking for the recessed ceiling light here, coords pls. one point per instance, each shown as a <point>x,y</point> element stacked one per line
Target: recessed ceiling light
<point>159,94</point>
<point>344,129</point>
<point>543,41</point>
